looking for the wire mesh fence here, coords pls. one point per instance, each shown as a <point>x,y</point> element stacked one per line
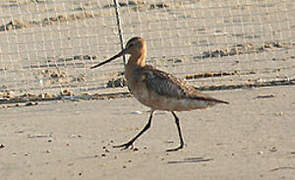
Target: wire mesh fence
<point>47,46</point>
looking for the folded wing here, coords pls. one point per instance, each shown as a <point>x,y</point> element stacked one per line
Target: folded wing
<point>168,85</point>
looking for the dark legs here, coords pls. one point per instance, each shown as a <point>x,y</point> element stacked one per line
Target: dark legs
<point>179,133</point>
<point>147,126</point>
<point>130,143</point>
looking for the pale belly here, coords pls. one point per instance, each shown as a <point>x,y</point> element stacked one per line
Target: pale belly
<point>158,102</point>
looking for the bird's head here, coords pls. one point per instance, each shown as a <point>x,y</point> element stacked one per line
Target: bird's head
<point>136,46</point>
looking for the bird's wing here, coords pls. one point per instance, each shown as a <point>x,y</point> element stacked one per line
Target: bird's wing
<point>163,83</point>
<point>168,85</point>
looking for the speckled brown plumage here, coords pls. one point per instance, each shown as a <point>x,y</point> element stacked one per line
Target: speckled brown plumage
<point>165,84</point>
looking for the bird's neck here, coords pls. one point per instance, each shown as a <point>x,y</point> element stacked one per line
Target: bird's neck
<point>137,60</point>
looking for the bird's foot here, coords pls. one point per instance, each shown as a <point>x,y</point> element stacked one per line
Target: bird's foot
<point>175,149</point>
<point>124,146</point>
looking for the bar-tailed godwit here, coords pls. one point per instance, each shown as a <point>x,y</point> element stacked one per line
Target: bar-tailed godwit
<point>157,89</point>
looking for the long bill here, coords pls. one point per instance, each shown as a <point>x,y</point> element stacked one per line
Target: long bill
<point>109,60</point>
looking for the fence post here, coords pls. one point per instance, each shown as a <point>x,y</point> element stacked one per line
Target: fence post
<point>120,31</point>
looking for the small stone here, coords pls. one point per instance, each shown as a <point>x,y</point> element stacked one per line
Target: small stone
<point>2,146</point>
<point>273,149</point>
<point>260,152</point>
<point>106,150</point>
<point>66,92</point>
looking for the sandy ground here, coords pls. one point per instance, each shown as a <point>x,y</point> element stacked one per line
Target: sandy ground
<point>252,138</point>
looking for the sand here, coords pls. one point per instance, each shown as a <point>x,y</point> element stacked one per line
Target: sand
<point>252,138</point>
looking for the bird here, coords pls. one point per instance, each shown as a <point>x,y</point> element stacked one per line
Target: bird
<point>157,89</point>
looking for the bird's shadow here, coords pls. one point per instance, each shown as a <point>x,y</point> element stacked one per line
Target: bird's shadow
<point>191,160</point>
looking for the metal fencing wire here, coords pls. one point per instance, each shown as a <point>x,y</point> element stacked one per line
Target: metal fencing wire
<point>47,46</point>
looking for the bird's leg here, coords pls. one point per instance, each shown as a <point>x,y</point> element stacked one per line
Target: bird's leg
<point>130,143</point>
<point>179,133</point>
